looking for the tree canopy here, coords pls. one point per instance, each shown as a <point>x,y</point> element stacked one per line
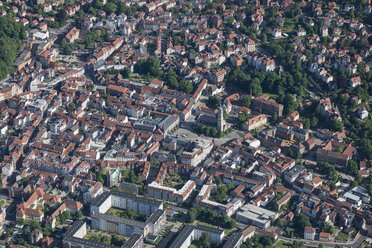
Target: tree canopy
<point>214,102</point>
<point>11,35</point>
<point>148,67</point>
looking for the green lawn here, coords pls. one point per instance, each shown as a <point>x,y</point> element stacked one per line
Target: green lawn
<point>140,79</point>
<point>229,231</point>
<point>91,236</point>
<point>201,223</point>
<point>342,236</point>
<point>364,244</point>
<point>281,244</point>
<point>125,213</point>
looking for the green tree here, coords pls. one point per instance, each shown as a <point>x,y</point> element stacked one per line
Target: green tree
<point>358,178</point>
<point>98,4</point>
<point>369,189</point>
<point>204,241</point>
<point>192,215</point>
<point>243,116</point>
<point>214,102</point>
<point>300,221</point>
<point>110,7</point>
<point>92,11</point>
<point>279,222</point>
<point>255,87</point>
<point>274,118</point>
<point>314,122</point>
<point>172,79</point>
<point>290,104</point>
<point>116,240</point>
<point>306,123</point>
<point>149,66</point>
<point>264,38</point>
<point>352,167</point>
<point>106,240</point>
<point>337,125</point>
<point>225,115</point>
<point>79,214</point>
<point>101,177</point>
<point>326,227</point>
<point>126,72</point>
<point>72,106</point>
<point>186,86</point>
<point>11,34</point>
<point>67,214</point>
<point>246,100</point>
<point>213,132</point>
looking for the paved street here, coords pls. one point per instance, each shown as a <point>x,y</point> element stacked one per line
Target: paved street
<point>186,131</point>
<point>352,244</point>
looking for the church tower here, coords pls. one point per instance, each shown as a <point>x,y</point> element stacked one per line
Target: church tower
<point>220,120</point>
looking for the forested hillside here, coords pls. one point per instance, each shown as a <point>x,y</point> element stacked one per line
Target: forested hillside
<point>11,35</point>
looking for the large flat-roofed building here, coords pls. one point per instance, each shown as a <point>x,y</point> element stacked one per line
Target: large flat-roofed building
<point>127,227</point>
<point>74,238</point>
<point>123,200</point>
<point>194,232</point>
<point>123,226</point>
<point>114,224</point>
<point>256,216</point>
<point>156,190</point>
<point>227,209</point>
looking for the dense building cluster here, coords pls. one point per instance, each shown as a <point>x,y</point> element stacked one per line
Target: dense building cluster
<point>133,123</point>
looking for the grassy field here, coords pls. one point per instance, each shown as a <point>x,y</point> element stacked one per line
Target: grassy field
<point>201,223</point>
<point>125,213</point>
<point>342,236</point>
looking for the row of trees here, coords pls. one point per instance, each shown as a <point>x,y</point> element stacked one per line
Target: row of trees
<point>209,131</point>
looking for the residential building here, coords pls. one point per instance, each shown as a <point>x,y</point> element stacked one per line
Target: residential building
<point>266,105</point>
<point>309,233</point>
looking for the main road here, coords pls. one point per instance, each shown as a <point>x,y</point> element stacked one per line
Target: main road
<point>352,244</point>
